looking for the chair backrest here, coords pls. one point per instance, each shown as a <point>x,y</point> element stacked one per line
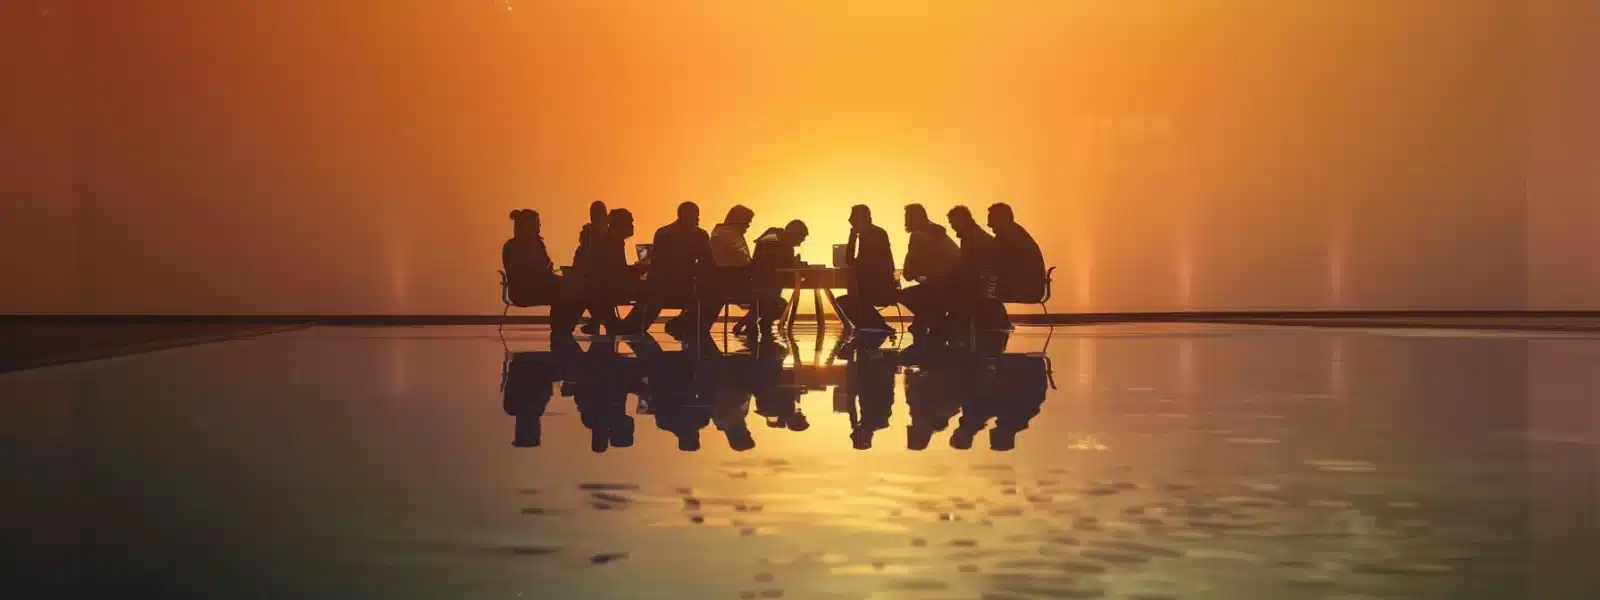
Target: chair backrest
<point>1048,277</point>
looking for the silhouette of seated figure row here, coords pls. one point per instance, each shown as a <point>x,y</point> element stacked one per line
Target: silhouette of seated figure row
<point>688,390</point>
<point>686,268</point>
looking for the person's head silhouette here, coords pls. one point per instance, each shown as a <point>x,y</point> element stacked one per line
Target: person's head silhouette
<point>740,216</point>
<point>620,223</point>
<point>740,440</point>
<point>528,432</point>
<point>917,438</point>
<point>689,440</point>
<point>524,223</point>
<point>962,439</point>
<point>1000,216</point>
<point>795,232</point>
<point>916,217</point>
<point>860,216</point>
<point>689,213</point>
<point>861,438</point>
<point>620,434</point>
<point>797,422</point>
<point>961,220</point>
<point>1001,440</point>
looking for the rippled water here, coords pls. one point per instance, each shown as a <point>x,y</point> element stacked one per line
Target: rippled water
<point>1143,462</point>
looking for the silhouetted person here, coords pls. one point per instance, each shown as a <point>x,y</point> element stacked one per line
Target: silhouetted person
<point>680,263</point>
<point>603,382</point>
<point>732,254</point>
<point>678,402</point>
<point>579,276</point>
<point>973,272</point>
<point>930,257</point>
<point>871,381</point>
<point>775,250</point>
<point>1022,383</point>
<point>871,281</point>
<point>1019,262</point>
<point>730,399</point>
<point>933,395</point>
<point>729,248</point>
<point>609,281</point>
<point>531,278</point>
<point>777,404</point>
<point>529,386</point>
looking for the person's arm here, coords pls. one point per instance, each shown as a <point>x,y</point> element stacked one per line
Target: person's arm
<point>703,254</point>
<point>543,258</point>
<point>744,250</point>
<point>911,269</point>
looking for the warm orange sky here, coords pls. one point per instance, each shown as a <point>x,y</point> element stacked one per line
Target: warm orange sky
<point>339,157</point>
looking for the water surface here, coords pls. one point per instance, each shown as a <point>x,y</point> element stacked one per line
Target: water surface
<point>1116,462</point>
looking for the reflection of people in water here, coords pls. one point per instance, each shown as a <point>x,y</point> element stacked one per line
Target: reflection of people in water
<point>529,385</point>
<point>777,404</point>
<point>730,383</point>
<point>934,395</point>
<point>1021,385</point>
<point>981,385</point>
<point>870,380</point>
<point>676,402</point>
<point>603,381</point>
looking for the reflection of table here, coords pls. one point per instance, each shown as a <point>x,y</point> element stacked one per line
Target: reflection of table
<point>821,281</point>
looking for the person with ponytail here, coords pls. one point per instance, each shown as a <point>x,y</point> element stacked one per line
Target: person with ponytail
<point>531,278</point>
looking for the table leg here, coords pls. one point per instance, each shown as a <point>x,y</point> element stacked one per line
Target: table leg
<point>793,309</point>
<point>816,304</point>
<point>834,302</point>
<point>793,347</point>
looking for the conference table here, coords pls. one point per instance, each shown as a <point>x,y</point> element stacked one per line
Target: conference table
<point>821,281</point>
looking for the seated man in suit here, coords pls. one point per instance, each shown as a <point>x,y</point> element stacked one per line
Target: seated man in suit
<point>680,267</point>
<point>972,273</point>
<point>611,280</point>
<point>775,250</point>
<point>1018,262</point>
<point>871,273</point>
<point>930,257</point>
<point>591,233</point>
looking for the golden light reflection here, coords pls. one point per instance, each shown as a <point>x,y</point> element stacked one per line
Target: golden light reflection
<point>1336,266</point>
<point>1083,272</point>
<point>398,256</point>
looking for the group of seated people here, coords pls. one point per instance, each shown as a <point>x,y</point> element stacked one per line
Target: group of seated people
<point>698,273</point>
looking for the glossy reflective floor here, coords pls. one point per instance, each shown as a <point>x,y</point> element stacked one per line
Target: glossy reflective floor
<point>1118,462</point>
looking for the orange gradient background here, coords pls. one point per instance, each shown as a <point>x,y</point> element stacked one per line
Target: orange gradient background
<point>348,156</point>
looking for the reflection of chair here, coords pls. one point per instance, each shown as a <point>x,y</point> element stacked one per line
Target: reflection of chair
<point>505,298</point>
<point>1044,353</point>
